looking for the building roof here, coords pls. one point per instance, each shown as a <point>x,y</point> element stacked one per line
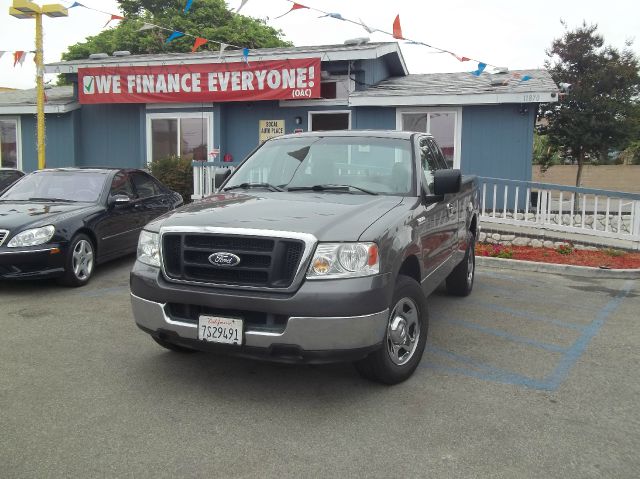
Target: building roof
<point>59,99</point>
<point>460,88</point>
<point>325,52</point>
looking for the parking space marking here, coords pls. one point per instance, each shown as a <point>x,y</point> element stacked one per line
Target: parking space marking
<point>554,348</point>
<point>552,381</point>
<point>530,316</point>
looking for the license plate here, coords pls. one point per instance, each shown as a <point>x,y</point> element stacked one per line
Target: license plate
<point>216,329</point>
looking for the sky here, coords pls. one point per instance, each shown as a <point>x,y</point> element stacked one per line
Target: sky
<point>512,34</point>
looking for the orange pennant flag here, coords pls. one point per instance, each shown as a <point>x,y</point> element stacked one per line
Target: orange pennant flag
<point>198,43</point>
<point>17,57</point>
<point>397,31</point>
<point>113,17</point>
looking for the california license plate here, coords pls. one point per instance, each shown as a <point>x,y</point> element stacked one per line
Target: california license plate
<point>217,329</point>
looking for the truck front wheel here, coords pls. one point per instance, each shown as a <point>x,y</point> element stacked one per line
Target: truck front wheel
<point>404,339</point>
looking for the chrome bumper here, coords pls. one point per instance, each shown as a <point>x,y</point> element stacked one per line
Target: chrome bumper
<point>309,333</point>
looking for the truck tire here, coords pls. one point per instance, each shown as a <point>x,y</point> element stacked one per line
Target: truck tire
<point>405,338</point>
<point>460,280</point>
<point>173,347</point>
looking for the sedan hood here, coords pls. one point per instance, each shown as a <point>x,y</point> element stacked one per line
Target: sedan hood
<point>19,215</point>
<point>327,216</point>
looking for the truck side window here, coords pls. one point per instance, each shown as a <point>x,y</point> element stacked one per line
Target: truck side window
<point>442,163</point>
<point>428,162</point>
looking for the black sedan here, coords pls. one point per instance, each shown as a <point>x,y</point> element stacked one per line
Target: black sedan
<point>62,222</point>
<point>8,176</point>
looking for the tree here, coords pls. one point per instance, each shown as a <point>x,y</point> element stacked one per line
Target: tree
<point>210,19</point>
<point>596,114</point>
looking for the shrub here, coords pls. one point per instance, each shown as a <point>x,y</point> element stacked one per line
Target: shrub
<point>565,249</point>
<point>614,252</point>
<point>176,173</point>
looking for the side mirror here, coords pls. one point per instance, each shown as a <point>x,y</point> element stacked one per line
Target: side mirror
<point>119,200</point>
<point>446,182</point>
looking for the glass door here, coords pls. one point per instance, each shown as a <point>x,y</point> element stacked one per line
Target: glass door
<point>9,157</point>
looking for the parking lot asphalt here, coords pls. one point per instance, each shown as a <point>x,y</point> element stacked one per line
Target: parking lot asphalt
<point>533,375</point>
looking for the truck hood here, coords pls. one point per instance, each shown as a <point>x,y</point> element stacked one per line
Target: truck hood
<point>327,216</point>
<point>17,215</point>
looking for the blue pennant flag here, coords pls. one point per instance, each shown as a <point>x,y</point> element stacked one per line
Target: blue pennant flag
<point>188,6</point>
<point>525,78</point>
<point>481,67</point>
<point>173,36</point>
<point>245,55</point>
<point>76,4</point>
<point>332,15</point>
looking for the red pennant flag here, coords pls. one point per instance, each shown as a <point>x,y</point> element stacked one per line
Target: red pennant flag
<point>198,43</point>
<point>18,57</point>
<point>397,31</point>
<point>461,59</point>
<point>113,17</point>
<point>295,6</point>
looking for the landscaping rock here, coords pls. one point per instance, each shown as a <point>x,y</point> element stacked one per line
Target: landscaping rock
<point>495,236</point>
<point>482,237</point>
<point>507,237</point>
<point>522,241</point>
<point>536,243</point>
<point>548,244</point>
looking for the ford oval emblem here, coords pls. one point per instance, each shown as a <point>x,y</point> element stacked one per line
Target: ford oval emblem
<point>223,259</point>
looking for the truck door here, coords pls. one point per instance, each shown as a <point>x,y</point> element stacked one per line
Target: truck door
<point>433,222</point>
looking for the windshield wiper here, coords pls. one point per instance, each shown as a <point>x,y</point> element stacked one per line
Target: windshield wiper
<point>330,187</point>
<point>63,200</point>
<point>245,186</point>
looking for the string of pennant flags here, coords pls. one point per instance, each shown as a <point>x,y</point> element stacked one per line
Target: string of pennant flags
<point>19,56</point>
<point>198,41</point>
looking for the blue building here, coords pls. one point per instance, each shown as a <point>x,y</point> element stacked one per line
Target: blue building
<point>484,123</point>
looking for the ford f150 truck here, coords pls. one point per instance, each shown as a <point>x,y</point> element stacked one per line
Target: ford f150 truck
<point>320,247</point>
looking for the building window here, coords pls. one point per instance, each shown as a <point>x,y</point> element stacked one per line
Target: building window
<point>329,120</point>
<point>442,123</point>
<point>10,144</point>
<point>188,135</point>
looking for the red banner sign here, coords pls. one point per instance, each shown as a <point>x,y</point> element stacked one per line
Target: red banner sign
<point>267,80</point>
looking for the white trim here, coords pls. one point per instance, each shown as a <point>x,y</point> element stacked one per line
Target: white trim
<point>457,134</point>
<point>172,106</point>
<point>18,122</point>
<point>325,112</point>
<point>473,99</point>
<point>345,54</point>
<point>311,103</point>
<point>31,109</point>
<point>177,115</point>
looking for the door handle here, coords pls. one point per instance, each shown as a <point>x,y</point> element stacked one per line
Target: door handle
<point>451,208</point>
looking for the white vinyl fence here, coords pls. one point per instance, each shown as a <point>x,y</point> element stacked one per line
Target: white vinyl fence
<point>611,214</point>
<point>204,177</point>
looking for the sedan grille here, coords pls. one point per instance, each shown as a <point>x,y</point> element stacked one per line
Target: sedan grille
<point>264,262</point>
<point>3,236</point>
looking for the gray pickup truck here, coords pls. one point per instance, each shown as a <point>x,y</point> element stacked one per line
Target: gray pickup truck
<point>320,247</point>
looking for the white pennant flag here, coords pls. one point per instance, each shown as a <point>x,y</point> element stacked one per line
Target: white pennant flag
<point>368,29</point>
<point>223,47</point>
<point>2,52</point>
<point>242,4</point>
<point>23,58</point>
<point>146,26</point>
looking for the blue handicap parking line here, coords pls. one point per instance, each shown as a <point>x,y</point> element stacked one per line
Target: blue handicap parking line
<point>552,381</point>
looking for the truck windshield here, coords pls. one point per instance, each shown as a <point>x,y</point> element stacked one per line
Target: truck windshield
<point>367,164</point>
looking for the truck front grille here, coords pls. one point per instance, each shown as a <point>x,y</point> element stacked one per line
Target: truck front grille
<point>264,262</point>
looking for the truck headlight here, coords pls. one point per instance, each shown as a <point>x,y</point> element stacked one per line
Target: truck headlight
<point>344,260</point>
<point>32,237</point>
<point>149,248</point>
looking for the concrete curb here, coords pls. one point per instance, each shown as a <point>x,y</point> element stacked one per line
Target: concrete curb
<point>565,269</point>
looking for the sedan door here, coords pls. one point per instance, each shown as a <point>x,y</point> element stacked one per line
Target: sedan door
<point>118,230</point>
<point>153,200</point>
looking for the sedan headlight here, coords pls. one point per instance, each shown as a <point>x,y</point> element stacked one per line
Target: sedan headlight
<point>344,260</point>
<point>32,237</point>
<point>149,248</point>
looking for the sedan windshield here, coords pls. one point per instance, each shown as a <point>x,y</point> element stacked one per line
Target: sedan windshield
<point>355,165</point>
<point>83,186</point>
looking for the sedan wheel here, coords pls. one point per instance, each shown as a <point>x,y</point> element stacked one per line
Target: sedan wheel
<point>79,262</point>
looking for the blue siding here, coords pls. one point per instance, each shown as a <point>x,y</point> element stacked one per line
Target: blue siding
<point>112,135</point>
<point>375,70</point>
<point>373,118</point>
<point>497,141</point>
<point>61,144</point>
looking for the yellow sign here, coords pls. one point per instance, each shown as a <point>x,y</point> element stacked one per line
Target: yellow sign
<point>270,129</point>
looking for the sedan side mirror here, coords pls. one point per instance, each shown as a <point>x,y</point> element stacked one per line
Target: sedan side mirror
<point>119,200</point>
<point>446,182</point>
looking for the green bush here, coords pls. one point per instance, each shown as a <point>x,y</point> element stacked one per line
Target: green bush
<point>176,173</point>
